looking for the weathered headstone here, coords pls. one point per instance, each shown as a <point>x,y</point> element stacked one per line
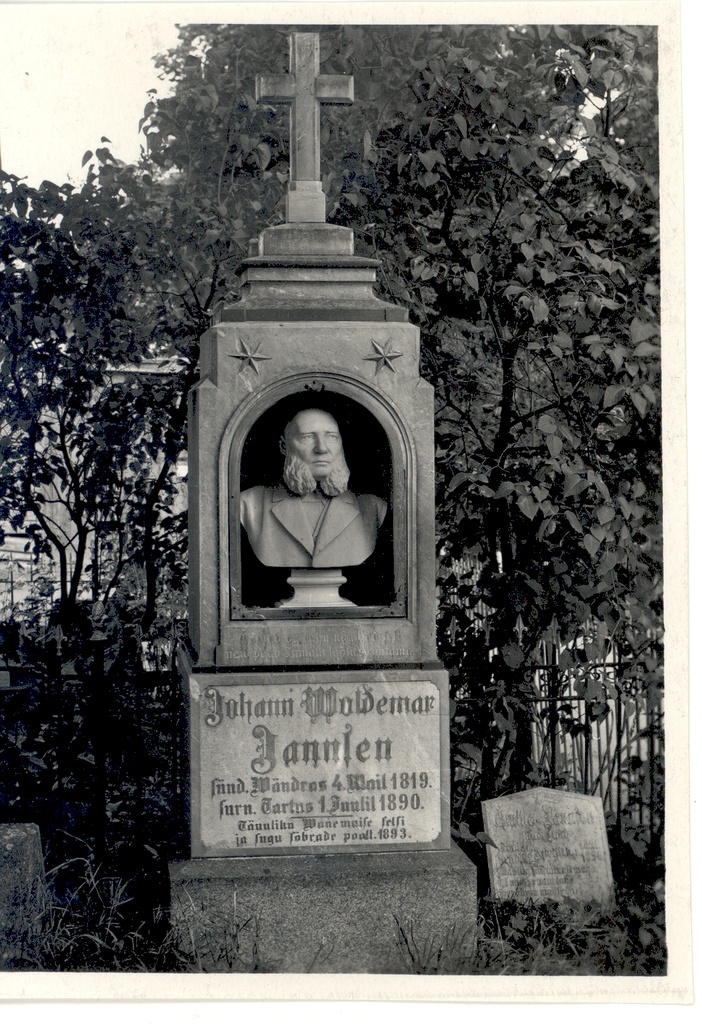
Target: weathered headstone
<point>22,892</point>
<point>318,709</point>
<point>549,845</point>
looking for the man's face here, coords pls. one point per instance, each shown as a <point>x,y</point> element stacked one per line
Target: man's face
<point>314,437</point>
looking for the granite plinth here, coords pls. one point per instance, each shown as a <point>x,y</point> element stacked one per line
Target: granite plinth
<point>377,312</point>
<point>357,913</point>
<point>22,890</point>
<point>307,271</point>
<point>306,240</point>
<point>331,287</point>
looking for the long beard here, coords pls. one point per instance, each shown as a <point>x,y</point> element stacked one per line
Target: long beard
<point>298,478</point>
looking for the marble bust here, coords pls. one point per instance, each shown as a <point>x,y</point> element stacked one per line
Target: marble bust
<point>311,519</point>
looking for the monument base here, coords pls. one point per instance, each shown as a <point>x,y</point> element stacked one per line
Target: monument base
<point>364,913</point>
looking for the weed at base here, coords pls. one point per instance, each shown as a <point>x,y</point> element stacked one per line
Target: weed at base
<point>91,920</point>
<point>219,942</point>
<point>89,926</point>
<point>450,953</point>
<point>564,938</point>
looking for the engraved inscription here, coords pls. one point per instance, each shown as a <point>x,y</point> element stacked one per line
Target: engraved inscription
<point>319,764</point>
<point>548,845</point>
<point>317,646</point>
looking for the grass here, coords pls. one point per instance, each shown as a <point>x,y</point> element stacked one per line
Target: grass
<point>565,939</point>
<point>95,924</point>
<point>548,939</point>
<point>91,921</point>
<point>89,928</point>
<point>451,953</point>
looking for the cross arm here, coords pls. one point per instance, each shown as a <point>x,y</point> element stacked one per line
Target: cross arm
<point>304,91</point>
<point>335,89</point>
<point>275,88</point>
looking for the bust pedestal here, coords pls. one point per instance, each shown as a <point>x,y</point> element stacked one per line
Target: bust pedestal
<point>316,588</point>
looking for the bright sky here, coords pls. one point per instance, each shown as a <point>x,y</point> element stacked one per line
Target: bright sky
<point>71,73</point>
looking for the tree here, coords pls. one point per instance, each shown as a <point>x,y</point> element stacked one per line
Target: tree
<point>88,450</point>
<point>506,176</point>
<point>513,200</point>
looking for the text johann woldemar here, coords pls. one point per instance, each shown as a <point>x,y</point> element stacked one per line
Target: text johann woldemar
<point>316,703</point>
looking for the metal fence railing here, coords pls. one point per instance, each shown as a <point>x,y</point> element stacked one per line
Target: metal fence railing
<point>610,747</point>
<point>100,750</point>
<point>593,727</point>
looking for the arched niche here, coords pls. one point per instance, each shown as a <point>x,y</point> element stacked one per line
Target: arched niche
<point>380,456</point>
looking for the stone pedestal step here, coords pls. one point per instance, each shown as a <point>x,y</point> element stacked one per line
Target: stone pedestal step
<point>374,913</point>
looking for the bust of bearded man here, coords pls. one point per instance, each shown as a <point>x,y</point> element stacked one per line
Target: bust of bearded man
<point>311,519</point>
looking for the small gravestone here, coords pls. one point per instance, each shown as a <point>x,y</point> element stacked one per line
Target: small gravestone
<point>549,845</point>
<point>22,884</point>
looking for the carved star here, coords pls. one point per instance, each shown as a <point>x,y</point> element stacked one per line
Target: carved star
<point>384,356</point>
<point>249,357</point>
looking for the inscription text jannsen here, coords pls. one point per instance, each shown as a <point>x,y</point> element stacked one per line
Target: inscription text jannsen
<point>301,765</point>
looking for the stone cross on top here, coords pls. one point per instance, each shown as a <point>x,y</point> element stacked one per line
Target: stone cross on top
<point>305,89</point>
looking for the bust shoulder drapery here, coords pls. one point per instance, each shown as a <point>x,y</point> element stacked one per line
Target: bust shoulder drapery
<point>280,532</point>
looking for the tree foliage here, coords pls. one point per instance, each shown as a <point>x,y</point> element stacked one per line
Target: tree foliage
<point>506,177</point>
<point>89,446</point>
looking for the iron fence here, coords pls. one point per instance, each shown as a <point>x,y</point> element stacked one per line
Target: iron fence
<point>611,747</point>
<point>97,754</point>
<point>593,729</point>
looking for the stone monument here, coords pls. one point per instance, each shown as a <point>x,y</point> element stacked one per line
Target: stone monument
<point>318,711</point>
<point>22,894</point>
<point>548,845</point>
